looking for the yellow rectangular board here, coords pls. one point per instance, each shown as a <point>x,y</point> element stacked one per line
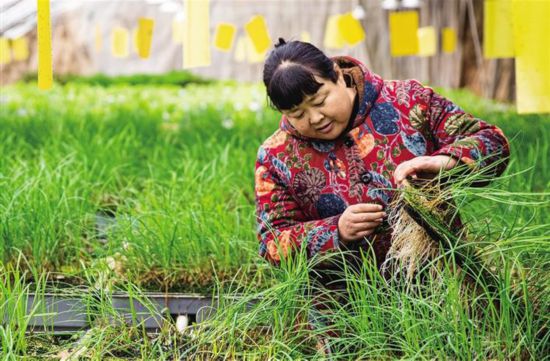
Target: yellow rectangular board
<point>135,40</point>
<point>258,33</point>
<point>427,41</point>
<point>178,28</point>
<point>196,41</point>
<point>448,39</point>
<point>403,33</point>
<point>240,49</point>
<point>252,54</point>
<point>531,29</point>
<point>333,37</point>
<point>351,29</point>
<point>305,36</point>
<point>120,42</point>
<point>20,49</point>
<point>5,54</point>
<point>498,31</point>
<point>225,35</point>
<point>44,40</point>
<point>98,39</point>
<point>145,36</point>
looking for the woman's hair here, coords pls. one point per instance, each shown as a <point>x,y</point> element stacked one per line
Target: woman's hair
<point>289,73</point>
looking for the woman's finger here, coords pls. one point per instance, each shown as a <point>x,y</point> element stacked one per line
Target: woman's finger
<point>422,167</point>
<point>402,171</point>
<point>366,217</point>
<point>361,208</point>
<point>359,227</point>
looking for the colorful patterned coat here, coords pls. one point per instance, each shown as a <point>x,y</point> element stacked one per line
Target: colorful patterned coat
<point>302,185</point>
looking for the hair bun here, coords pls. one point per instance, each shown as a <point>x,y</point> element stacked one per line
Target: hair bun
<point>281,42</point>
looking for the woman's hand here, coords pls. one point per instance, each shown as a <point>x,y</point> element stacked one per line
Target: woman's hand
<point>359,220</point>
<point>422,167</point>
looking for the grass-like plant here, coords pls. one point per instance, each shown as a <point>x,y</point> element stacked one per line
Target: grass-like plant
<point>171,170</point>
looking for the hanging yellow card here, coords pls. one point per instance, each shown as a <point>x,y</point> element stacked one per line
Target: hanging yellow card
<point>498,37</point>
<point>531,29</point>
<point>333,37</point>
<point>178,28</point>
<point>240,49</point>
<point>448,39</point>
<point>225,35</point>
<point>403,33</point>
<point>135,44</point>
<point>120,42</point>
<point>427,41</point>
<point>145,36</point>
<point>98,39</point>
<point>5,54</point>
<point>305,36</point>
<point>351,29</point>
<point>258,33</point>
<point>196,41</point>
<point>252,55</point>
<point>44,39</point>
<point>20,49</point>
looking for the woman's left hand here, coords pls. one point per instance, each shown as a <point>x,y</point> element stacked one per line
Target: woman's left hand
<point>422,167</point>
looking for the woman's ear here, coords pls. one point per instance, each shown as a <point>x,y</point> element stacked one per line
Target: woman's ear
<point>337,69</point>
<point>340,74</point>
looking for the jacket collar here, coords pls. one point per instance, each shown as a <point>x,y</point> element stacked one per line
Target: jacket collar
<point>368,87</point>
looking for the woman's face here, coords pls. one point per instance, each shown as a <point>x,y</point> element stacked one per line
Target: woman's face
<point>325,114</point>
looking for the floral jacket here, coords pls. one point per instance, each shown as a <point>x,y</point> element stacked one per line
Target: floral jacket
<point>303,185</point>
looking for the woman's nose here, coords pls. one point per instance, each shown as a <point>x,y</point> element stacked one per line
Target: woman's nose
<point>316,118</point>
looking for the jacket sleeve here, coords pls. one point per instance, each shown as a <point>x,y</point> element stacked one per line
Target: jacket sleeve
<point>472,141</point>
<point>281,224</point>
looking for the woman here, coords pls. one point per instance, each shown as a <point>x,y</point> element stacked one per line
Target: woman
<point>323,180</point>
<point>346,136</point>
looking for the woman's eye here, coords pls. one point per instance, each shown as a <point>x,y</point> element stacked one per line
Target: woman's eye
<point>299,116</point>
<point>321,103</point>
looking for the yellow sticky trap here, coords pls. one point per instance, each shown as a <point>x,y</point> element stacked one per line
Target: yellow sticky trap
<point>5,55</point>
<point>448,40</point>
<point>498,39</point>
<point>196,39</point>
<point>240,49</point>
<point>351,29</point>
<point>98,39</point>
<point>427,41</point>
<point>120,42</point>
<point>145,37</point>
<point>225,35</point>
<point>44,35</point>
<point>256,29</point>
<point>252,55</point>
<point>531,29</point>
<point>403,33</point>
<point>333,37</point>
<point>135,40</point>
<point>178,29</point>
<point>305,36</point>
<point>20,49</point>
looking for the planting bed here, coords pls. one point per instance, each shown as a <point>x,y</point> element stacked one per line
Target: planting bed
<point>149,191</point>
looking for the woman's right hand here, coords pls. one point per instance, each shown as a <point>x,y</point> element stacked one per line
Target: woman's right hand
<point>359,220</point>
